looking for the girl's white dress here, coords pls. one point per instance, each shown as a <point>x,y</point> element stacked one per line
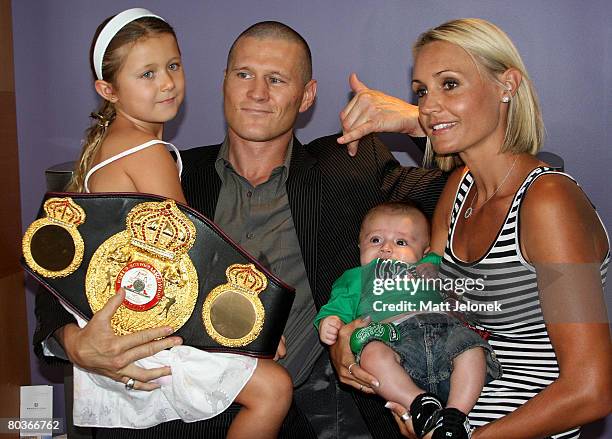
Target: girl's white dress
<point>202,385</point>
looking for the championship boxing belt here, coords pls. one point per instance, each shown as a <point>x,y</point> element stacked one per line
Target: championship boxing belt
<point>177,268</point>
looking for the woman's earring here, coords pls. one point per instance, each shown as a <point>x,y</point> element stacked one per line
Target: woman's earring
<point>507,97</point>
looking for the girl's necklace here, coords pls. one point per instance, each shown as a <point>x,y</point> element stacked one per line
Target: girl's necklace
<point>470,210</point>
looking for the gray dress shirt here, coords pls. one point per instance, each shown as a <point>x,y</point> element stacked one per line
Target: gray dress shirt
<point>259,219</point>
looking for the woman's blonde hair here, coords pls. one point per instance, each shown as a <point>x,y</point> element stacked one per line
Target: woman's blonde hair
<point>111,64</point>
<point>492,49</point>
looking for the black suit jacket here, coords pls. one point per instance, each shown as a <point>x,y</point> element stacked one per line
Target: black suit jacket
<point>329,193</point>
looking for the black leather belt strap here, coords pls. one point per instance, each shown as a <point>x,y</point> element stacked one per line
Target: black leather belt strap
<point>212,253</point>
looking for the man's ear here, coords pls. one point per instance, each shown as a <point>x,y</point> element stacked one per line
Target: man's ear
<point>223,81</point>
<point>308,98</point>
<point>106,90</point>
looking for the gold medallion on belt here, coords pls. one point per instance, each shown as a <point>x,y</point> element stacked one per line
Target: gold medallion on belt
<point>52,246</point>
<point>233,314</point>
<point>149,261</point>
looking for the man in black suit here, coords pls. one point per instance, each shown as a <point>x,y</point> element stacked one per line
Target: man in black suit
<point>295,208</point>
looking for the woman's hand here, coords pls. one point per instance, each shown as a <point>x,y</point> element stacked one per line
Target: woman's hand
<point>372,111</point>
<point>398,411</point>
<point>97,349</point>
<point>344,362</point>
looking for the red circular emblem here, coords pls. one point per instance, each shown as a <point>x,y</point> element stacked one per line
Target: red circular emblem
<point>143,285</point>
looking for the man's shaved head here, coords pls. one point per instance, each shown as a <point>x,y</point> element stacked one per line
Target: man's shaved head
<point>278,31</point>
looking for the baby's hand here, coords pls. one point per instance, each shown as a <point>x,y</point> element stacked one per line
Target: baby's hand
<point>328,329</point>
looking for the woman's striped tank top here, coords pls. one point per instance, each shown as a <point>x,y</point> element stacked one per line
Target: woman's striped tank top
<point>517,332</point>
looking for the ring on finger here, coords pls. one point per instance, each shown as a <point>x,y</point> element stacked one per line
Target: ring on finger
<point>349,367</point>
<point>129,385</point>
<point>405,416</point>
<point>361,387</point>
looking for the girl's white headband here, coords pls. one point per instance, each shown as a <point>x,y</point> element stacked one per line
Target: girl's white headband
<point>110,30</point>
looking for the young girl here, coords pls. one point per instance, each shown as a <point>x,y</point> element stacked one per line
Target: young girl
<point>137,64</point>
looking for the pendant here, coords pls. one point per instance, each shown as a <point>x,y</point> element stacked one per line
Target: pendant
<point>468,213</point>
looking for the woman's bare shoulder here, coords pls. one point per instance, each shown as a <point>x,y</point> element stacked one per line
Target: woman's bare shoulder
<point>558,219</point>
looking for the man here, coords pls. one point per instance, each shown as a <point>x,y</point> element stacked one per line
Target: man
<point>297,209</point>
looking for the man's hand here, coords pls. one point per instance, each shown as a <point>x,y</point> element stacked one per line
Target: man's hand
<point>328,329</point>
<point>372,111</point>
<point>342,358</point>
<point>281,350</point>
<point>97,349</point>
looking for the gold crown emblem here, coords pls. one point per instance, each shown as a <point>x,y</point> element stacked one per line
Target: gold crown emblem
<point>246,277</point>
<point>65,211</point>
<point>161,228</point>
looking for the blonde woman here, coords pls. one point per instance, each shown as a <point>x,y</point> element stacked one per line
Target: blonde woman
<point>528,231</point>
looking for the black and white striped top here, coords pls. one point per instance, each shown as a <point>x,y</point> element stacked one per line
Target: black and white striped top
<point>517,332</point>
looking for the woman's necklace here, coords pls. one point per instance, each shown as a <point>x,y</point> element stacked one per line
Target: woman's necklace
<point>470,210</point>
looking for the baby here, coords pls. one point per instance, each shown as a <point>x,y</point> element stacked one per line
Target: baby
<point>423,358</point>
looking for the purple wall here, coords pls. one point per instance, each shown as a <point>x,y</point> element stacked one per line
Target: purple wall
<point>565,45</point>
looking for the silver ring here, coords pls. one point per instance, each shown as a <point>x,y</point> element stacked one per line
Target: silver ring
<point>405,417</point>
<point>361,387</point>
<point>349,367</point>
<point>130,384</point>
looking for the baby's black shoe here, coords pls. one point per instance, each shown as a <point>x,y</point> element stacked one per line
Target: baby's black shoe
<point>452,424</point>
<point>424,411</point>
